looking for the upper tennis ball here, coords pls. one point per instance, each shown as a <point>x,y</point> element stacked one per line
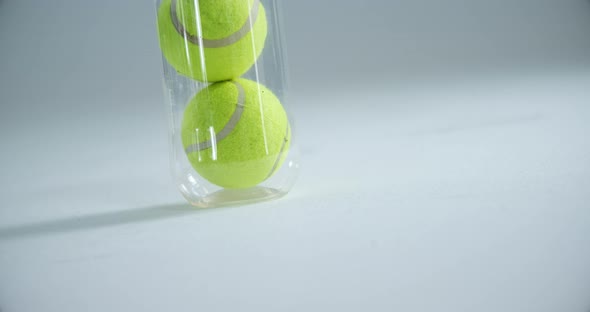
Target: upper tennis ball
<point>235,133</point>
<point>212,40</point>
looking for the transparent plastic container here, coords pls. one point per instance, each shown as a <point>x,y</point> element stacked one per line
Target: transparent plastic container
<point>232,139</point>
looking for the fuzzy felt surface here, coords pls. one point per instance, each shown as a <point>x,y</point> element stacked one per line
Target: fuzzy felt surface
<point>217,19</point>
<point>257,145</point>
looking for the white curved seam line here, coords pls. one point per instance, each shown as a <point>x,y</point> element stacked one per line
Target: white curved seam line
<point>281,152</point>
<point>215,43</point>
<point>229,126</point>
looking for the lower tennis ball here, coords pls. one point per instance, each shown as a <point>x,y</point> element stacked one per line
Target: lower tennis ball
<point>212,40</point>
<point>235,133</point>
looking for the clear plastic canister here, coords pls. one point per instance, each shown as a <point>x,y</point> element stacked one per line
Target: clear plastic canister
<point>225,83</point>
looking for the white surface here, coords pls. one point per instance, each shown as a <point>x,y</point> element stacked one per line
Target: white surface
<point>451,196</point>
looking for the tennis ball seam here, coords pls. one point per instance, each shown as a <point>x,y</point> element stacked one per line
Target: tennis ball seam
<point>216,43</point>
<point>281,152</point>
<point>229,126</point>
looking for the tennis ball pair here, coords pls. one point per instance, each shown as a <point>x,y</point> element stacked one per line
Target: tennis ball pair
<point>212,40</point>
<point>235,132</point>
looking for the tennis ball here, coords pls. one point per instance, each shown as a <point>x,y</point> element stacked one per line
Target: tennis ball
<point>212,40</point>
<point>235,133</point>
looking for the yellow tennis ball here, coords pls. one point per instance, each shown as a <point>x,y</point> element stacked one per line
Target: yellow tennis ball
<point>236,133</point>
<point>212,40</point>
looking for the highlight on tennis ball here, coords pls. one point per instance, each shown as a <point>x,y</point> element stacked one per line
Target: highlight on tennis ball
<point>236,133</point>
<point>212,40</point>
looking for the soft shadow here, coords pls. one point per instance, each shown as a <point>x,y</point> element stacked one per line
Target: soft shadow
<point>95,221</point>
